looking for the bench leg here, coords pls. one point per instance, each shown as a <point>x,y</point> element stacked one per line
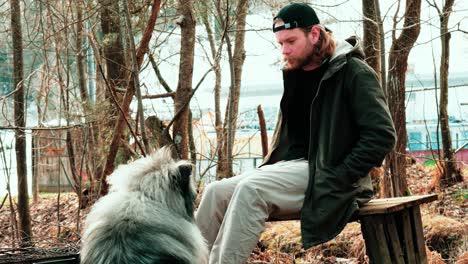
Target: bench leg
<point>395,238</point>
<point>377,243</point>
<point>391,232</point>
<point>418,234</point>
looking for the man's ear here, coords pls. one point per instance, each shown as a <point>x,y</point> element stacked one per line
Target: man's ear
<point>315,33</point>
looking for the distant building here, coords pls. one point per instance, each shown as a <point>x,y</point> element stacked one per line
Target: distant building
<point>423,131</point>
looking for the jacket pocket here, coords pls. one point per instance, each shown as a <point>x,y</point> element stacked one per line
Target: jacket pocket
<point>334,179</point>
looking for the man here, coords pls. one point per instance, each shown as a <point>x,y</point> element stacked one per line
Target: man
<point>334,127</point>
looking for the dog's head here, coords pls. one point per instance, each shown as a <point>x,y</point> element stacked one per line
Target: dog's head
<point>160,178</point>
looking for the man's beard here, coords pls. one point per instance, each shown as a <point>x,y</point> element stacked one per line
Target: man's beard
<point>297,62</point>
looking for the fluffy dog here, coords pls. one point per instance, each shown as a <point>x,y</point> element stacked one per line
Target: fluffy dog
<point>147,217</point>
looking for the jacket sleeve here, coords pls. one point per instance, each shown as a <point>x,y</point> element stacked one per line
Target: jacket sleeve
<point>372,117</point>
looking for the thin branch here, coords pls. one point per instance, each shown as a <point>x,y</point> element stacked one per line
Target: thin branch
<point>335,5</point>
<point>157,96</point>
<point>395,22</point>
<point>41,128</point>
<point>4,200</point>
<point>166,130</point>
<point>146,35</point>
<point>461,30</point>
<point>158,73</point>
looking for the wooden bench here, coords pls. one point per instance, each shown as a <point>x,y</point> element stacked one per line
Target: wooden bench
<point>392,229</point>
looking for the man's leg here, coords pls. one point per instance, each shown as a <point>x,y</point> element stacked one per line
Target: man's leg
<point>276,189</point>
<point>213,205</point>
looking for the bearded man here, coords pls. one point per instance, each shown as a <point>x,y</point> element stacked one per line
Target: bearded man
<point>334,127</point>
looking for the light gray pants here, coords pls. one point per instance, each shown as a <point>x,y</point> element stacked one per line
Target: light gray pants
<point>232,212</point>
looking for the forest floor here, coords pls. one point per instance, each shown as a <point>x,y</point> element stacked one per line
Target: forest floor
<point>57,232</point>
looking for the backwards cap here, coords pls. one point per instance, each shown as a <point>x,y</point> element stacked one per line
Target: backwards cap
<point>296,15</point>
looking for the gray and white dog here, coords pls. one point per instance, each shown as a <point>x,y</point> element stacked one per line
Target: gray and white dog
<point>147,217</point>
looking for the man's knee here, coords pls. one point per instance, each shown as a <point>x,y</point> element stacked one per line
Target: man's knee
<point>251,197</point>
<point>218,189</point>
<point>249,187</point>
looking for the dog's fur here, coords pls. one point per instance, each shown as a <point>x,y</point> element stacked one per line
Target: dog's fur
<point>147,217</point>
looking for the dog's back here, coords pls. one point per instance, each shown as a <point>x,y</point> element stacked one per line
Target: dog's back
<point>135,226</point>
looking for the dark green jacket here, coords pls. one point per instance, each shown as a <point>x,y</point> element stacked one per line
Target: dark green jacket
<point>351,131</point>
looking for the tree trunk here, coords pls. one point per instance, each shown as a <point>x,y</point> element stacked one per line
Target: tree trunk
<point>383,63</point>
<point>192,147</point>
<point>114,62</point>
<point>184,86</point>
<point>113,46</point>
<point>156,128</point>
<point>371,35</point>
<point>236,61</point>
<point>119,127</point>
<point>452,173</point>
<point>135,77</point>
<point>398,63</point>
<point>373,42</point>
<point>20,136</point>
<point>84,94</point>
<point>35,159</point>
<point>221,168</point>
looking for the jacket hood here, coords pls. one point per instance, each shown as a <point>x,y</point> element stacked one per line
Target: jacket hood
<point>351,45</point>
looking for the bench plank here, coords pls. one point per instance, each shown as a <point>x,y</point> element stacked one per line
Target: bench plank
<point>390,205</point>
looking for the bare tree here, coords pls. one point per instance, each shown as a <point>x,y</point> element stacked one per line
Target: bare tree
<point>114,62</point>
<point>20,137</point>
<point>236,62</point>
<point>35,176</point>
<point>398,64</point>
<point>371,36</point>
<point>135,70</point>
<point>374,48</point>
<point>383,63</point>
<point>216,50</point>
<point>125,106</point>
<point>86,105</point>
<point>451,173</point>
<point>112,44</point>
<point>184,87</point>
<point>84,94</point>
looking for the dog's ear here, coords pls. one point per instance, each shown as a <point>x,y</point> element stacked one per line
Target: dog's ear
<point>185,170</point>
<point>186,188</point>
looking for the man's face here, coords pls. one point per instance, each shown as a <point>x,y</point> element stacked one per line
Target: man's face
<point>297,48</point>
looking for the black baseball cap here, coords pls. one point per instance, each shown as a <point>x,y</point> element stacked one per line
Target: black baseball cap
<point>296,15</point>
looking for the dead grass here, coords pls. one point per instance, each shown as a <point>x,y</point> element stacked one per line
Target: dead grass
<point>445,235</point>
<point>445,227</point>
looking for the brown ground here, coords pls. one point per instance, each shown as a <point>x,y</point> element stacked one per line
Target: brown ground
<point>445,227</point>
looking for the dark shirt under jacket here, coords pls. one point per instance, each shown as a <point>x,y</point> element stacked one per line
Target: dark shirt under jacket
<point>298,112</point>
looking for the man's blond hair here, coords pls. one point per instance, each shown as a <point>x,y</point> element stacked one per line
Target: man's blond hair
<point>325,45</point>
